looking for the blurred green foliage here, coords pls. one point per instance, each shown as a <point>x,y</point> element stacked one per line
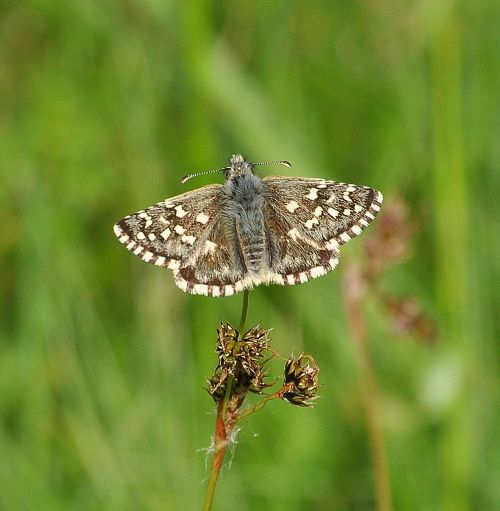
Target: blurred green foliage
<point>104,106</point>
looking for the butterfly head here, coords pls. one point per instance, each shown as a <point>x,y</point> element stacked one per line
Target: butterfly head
<point>238,166</point>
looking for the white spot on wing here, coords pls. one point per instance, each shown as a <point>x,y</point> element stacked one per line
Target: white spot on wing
<point>293,233</point>
<point>317,271</point>
<point>200,289</point>
<point>278,279</point>
<point>347,212</point>
<point>160,261</point>
<point>182,284</point>
<point>188,239</point>
<point>117,230</point>
<point>179,229</point>
<point>173,264</point>
<point>333,212</point>
<point>291,206</point>
<point>309,223</point>
<point>345,237</point>
<point>333,262</point>
<point>152,236</point>
<point>356,229</point>
<point>358,208</point>
<point>166,233</point>
<point>313,194</point>
<point>333,244</point>
<point>147,256</point>
<point>202,218</point>
<point>290,279</point>
<point>141,236</point>
<point>181,213</point>
<point>318,211</point>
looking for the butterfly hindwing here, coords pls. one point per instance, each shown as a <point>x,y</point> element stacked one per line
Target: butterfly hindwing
<point>213,269</point>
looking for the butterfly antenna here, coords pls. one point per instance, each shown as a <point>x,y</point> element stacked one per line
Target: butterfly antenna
<point>189,176</point>
<point>285,163</point>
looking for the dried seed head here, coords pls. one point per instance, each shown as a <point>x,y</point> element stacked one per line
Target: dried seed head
<point>241,354</point>
<point>217,385</point>
<point>301,381</point>
<point>240,358</point>
<point>257,384</point>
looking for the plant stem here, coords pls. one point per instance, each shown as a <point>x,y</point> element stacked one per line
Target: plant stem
<point>222,426</point>
<point>244,311</point>
<point>258,406</point>
<point>219,452</point>
<point>355,289</point>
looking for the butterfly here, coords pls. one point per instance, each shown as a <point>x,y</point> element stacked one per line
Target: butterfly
<point>221,239</point>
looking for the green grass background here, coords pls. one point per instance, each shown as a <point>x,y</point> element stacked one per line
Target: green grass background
<point>104,105</point>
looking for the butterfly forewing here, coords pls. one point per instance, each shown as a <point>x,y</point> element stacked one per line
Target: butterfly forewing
<point>171,230</point>
<point>326,212</point>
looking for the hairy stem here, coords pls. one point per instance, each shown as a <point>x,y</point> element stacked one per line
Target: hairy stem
<point>220,443</point>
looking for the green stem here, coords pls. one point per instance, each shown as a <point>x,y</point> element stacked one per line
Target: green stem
<point>244,311</point>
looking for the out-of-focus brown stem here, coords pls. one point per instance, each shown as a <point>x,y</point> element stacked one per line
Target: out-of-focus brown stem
<point>354,292</point>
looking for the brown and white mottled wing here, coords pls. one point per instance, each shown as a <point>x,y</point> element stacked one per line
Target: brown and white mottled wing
<point>313,218</point>
<point>186,235</point>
